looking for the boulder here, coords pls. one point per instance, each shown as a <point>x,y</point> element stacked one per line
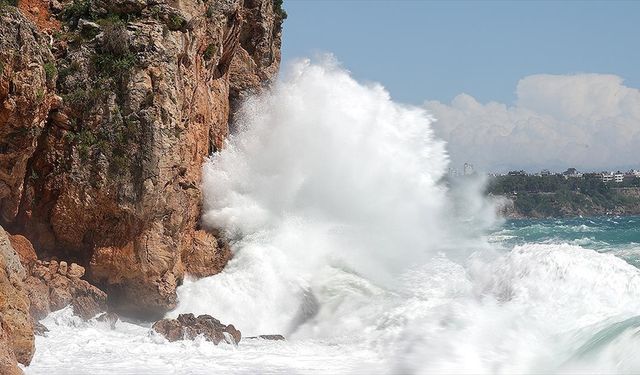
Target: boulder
<point>188,327</point>
<point>24,248</point>
<point>40,329</point>
<point>50,290</point>
<point>75,271</point>
<point>109,317</point>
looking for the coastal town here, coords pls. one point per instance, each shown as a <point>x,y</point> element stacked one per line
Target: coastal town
<point>567,194</point>
<point>605,176</point>
<point>631,176</point>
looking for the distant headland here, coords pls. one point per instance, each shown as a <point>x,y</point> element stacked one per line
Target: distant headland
<point>566,194</point>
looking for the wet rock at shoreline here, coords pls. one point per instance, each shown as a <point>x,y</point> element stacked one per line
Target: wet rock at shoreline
<point>40,329</point>
<point>16,325</point>
<point>267,337</point>
<point>188,327</point>
<point>52,286</point>
<point>109,317</point>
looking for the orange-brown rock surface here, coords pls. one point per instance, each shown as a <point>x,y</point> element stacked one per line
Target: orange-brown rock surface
<point>27,82</point>
<point>52,286</point>
<point>188,327</point>
<point>16,325</point>
<point>30,289</point>
<point>101,151</point>
<point>8,363</point>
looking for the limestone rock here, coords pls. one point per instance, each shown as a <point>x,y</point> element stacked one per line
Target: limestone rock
<point>109,139</point>
<point>109,317</point>
<point>62,268</point>
<point>188,327</point>
<point>27,79</point>
<point>8,363</point>
<point>206,256</point>
<point>75,271</point>
<point>24,249</point>
<point>59,293</point>
<point>17,326</point>
<point>38,293</point>
<point>50,290</point>
<point>40,329</point>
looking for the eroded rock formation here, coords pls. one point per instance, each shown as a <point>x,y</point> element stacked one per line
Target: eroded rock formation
<point>52,286</point>
<point>104,127</point>
<point>27,83</point>
<point>188,327</point>
<point>29,290</point>
<point>16,325</point>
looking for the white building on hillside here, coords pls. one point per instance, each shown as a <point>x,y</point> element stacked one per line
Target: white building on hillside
<point>618,177</point>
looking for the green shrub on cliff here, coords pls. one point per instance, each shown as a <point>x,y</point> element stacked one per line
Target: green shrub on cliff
<point>176,22</point>
<point>209,52</point>
<point>50,71</point>
<point>4,3</point>
<point>277,4</point>
<point>76,10</point>
<point>113,65</point>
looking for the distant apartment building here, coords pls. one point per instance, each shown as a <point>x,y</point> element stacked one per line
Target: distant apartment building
<point>617,177</point>
<point>517,173</point>
<point>468,169</point>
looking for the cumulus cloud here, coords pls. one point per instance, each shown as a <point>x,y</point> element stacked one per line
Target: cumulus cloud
<point>587,121</point>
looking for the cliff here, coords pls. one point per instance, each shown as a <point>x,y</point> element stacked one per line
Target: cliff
<point>538,205</point>
<point>109,109</point>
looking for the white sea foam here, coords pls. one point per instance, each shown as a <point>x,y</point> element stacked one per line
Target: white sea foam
<point>347,242</point>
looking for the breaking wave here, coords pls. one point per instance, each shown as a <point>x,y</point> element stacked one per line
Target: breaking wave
<point>348,239</point>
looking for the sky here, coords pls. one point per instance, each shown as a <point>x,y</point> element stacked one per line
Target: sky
<point>502,78</point>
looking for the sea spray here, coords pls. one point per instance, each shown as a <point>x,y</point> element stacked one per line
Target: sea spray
<point>325,179</point>
<point>348,240</point>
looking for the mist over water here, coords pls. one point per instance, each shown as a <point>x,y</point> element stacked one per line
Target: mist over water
<point>343,230</point>
<point>328,181</point>
<point>348,241</point>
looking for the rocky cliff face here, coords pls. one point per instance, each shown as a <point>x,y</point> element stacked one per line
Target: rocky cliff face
<point>30,289</point>
<point>105,124</point>
<point>16,326</point>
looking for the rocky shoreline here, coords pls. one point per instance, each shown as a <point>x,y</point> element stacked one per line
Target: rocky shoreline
<point>108,111</point>
<point>549,205</point>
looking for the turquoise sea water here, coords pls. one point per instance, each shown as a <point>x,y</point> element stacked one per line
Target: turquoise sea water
<point>617,235</point>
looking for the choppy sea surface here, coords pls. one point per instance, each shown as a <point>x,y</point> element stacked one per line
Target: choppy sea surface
<point>562,296</point>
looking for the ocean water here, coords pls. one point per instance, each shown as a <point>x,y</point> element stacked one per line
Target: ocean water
<point>347,242</point>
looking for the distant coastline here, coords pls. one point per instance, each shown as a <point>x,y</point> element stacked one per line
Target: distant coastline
<point>559,196</point>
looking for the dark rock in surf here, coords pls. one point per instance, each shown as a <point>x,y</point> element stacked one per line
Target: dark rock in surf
<point>109,317</point>
<point>188,327</point>
<point>268,337</point>
<point>40,329</point>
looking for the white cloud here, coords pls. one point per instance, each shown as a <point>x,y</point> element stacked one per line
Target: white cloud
<point>587,121</point>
